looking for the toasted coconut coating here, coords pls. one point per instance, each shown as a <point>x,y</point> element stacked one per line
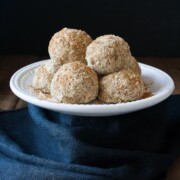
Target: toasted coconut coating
<point>43,76</point>
<point>133,65</point>
<point>122,86</point>
<point>107,54</point>
<point>68,45</point>
<point>74,83</point>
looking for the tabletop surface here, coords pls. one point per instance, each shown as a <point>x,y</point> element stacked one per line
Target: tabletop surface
<point>10,63</point>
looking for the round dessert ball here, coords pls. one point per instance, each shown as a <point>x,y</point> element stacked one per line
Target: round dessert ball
<point>74,83</point>
<point>107,54</point>
<point>43,76</point>
<point>133,65</point>
<point>122,86</point>
<point>68,45</point>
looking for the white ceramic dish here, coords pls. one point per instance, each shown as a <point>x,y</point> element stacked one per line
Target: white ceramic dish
<point>160,85</point>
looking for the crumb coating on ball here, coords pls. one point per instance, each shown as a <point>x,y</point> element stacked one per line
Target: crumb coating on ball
<point>107,54</point>
<point>68,45</point>
<point>43,76</point>
<point>122,86</point>
<point>74,83</point>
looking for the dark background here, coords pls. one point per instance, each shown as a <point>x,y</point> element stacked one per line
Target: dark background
<point>152,28</point>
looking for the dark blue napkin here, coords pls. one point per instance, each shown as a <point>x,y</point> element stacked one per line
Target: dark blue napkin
<point>40,144</point>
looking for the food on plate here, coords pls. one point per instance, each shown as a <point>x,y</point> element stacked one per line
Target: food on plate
<point>68,45</point>
<point>82,70</point>
<point>107,54</point>
<point>74,83</point>
<point>133,65</point>
<point>122,86</point>
<point>43,76</point>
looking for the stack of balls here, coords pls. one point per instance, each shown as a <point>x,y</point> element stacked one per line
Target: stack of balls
<point>81,70</point>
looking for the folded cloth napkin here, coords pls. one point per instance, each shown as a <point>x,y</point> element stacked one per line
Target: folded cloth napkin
<point>40,144</point>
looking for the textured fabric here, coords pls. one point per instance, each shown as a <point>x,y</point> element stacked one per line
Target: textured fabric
<point>40,144</point>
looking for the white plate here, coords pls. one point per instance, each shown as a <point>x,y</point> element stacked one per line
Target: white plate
<point>160,84</point>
